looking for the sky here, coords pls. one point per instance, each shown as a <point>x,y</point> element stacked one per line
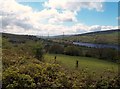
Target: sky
<point>57,16</point>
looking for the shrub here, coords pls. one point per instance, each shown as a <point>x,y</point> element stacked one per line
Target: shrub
<point>56,48</point>
<point>72,50</point>
<point>6,44</point>
<point>38,51</point>
<point>35,76</point>
<point>110,54</point>
<point>12,79</point>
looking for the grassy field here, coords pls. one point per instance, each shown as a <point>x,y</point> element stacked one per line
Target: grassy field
<point>90,64</point>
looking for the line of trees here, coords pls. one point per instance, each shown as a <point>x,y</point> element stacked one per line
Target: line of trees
<point>101,53</point>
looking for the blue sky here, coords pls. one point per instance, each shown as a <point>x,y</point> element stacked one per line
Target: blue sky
<point>35,5</point>
<point>107,17</point>
<point>89,17</point>
<point>56,16</point>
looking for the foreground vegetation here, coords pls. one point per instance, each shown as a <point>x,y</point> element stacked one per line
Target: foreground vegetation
<point>25,67</point>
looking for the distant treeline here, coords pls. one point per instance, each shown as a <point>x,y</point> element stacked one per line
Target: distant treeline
<point>101,53</point>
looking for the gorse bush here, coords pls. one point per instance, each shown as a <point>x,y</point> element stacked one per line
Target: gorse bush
<point>35,76</point>
<point>45,75</point>
<point>12,79</point>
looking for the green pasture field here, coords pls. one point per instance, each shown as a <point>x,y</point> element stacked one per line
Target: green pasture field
<point>86,63</point>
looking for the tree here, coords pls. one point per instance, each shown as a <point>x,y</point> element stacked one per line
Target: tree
<point>38,51</point>
<point>100,49</point>
<point>56,48</point>
<point>110,54</point>
<point>72,50</point>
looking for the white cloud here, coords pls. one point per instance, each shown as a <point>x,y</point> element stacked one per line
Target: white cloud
<point>108,27</point>
<point>53,16</point>
<point>81,28</point>
<point>65,16</point>
<point>69,9</point>
<point>118,18</point>
<point>12,7</point>
<point>75,5</point>
<point>20,19</point>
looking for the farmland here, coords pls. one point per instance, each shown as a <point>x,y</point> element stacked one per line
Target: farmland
<point>91,64</point>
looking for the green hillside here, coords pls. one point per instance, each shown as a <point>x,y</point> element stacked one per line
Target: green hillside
<point>104,37</point>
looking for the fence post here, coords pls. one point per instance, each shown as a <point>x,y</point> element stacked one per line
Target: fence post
<point>76,64</point>
<point>55,59</point>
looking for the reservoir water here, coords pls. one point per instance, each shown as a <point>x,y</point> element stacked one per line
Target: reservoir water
<point>97,45</point>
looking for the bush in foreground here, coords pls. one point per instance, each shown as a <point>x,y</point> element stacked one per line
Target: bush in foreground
<point>45,75</point>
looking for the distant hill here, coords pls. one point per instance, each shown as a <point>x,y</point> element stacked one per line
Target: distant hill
<point>19,38</point>
<point>100,32</point>
<point>103,37</point>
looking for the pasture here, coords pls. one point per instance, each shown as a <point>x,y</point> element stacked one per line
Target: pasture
<point>90,64</point>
